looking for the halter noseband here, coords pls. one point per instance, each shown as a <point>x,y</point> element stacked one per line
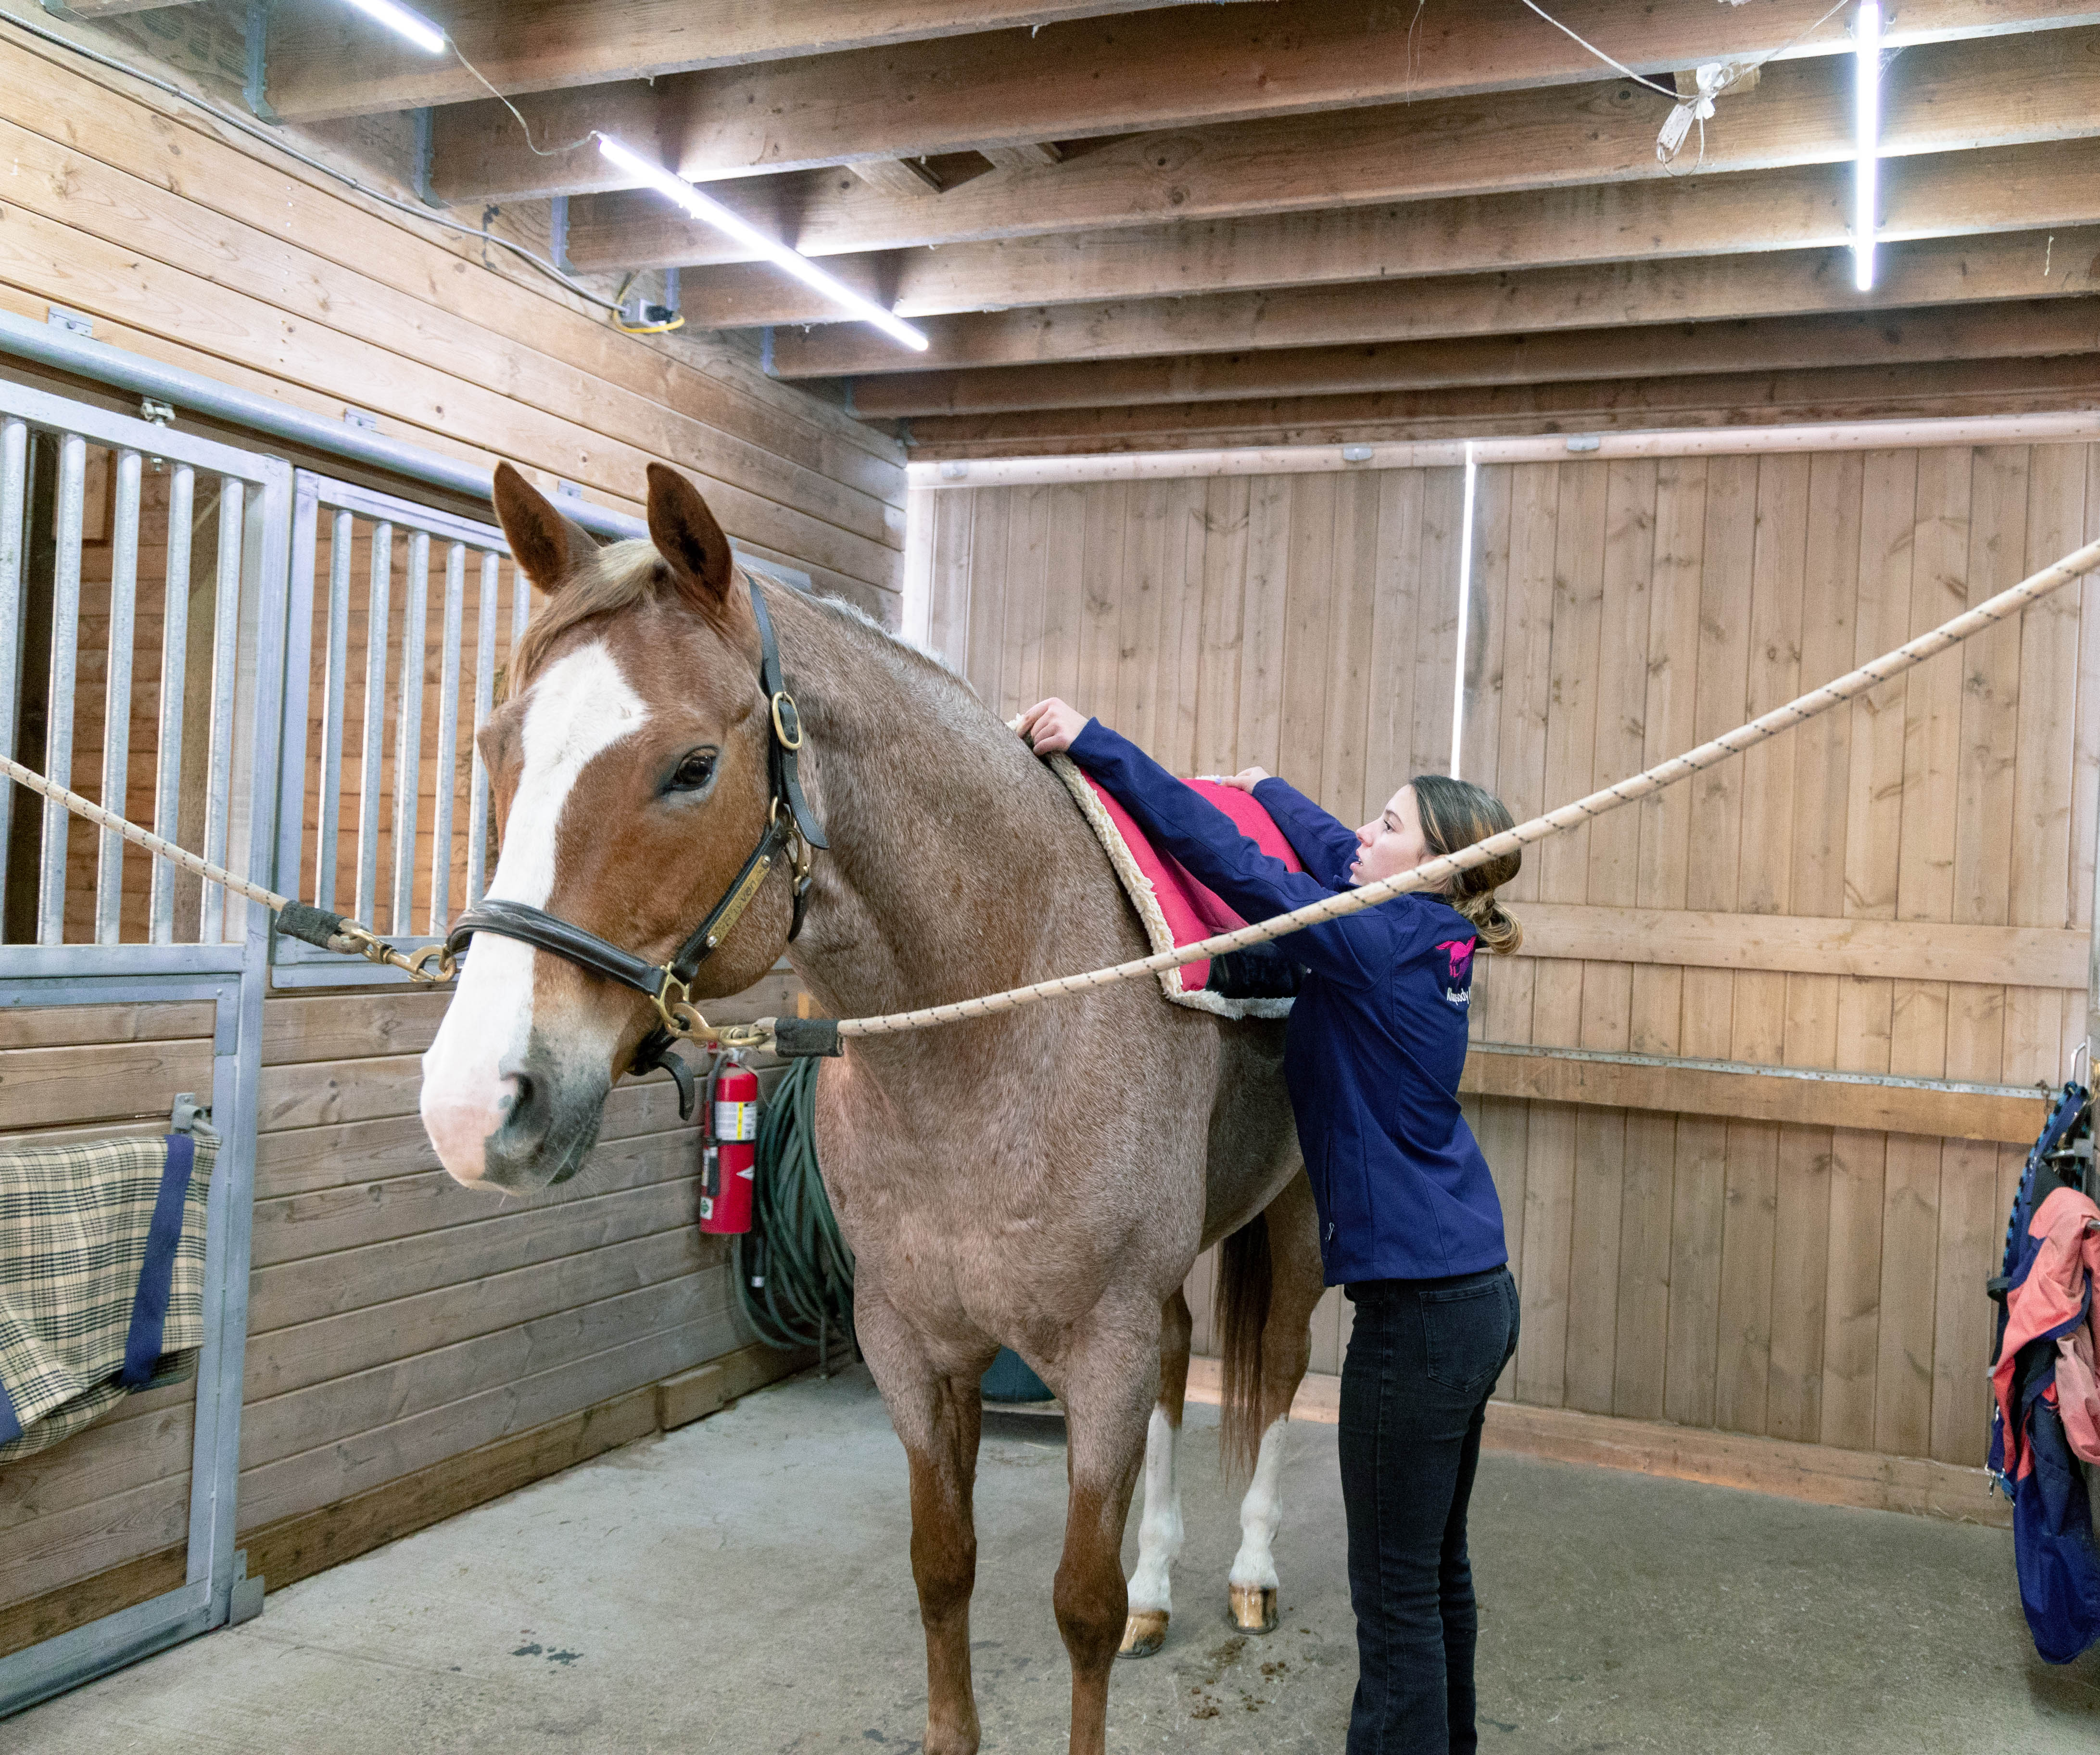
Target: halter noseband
<point>790,827</point>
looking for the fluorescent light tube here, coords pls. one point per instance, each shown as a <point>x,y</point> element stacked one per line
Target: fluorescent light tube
<point>1867,138</point>
<point>704,207</point>
<point>413,25</point>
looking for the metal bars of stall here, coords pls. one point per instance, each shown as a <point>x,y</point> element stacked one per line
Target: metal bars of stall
<point>117,695</point>
<point>484,701</point>
<point>412,715</point>
<point>70,513</point>
<point>59,459</point>
<point>174,665</point>
<point>14,506</point>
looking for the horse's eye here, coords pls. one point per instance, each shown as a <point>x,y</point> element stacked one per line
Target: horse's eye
<point>695,772</point>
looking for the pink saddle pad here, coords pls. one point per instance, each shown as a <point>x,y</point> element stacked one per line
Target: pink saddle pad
<point>1189,910</point>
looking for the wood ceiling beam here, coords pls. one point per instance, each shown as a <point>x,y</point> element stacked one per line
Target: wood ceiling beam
<point>1188,67</point>
<point>2022,330</point>
<point>328,61</point>
<point>2018,91</point>
<point>2012,189</point>
<point>1780,283</point>
<point>1757,398</point>
<point>2002,92</point>
<point>94,9</point>
<point>907,177</point>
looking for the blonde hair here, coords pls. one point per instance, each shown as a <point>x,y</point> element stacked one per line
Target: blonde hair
<point>1455,814</point>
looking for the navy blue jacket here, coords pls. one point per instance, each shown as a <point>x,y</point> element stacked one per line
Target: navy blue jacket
<point>1377,1038</point>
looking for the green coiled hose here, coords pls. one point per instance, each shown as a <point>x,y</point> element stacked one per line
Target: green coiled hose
<point>794,1272</point>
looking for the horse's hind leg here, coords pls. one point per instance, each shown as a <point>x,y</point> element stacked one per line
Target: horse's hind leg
<point>937,1414</point>
<point>1296,1284</point>
<point>1160,1528</point>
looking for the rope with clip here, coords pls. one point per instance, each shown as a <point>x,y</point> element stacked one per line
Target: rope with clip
<point>430,964</point>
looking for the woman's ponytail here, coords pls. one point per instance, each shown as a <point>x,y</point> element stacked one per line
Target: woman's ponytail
<point>1455,814</point>
<point>1501,933</point>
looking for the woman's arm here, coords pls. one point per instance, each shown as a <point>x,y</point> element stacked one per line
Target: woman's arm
<point>1356,949</point>
<point>1326,846</point>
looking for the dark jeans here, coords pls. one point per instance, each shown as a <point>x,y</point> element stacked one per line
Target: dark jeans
<point>1423,1358</point>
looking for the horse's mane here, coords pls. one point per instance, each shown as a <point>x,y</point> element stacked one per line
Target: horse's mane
<point>846,609</point>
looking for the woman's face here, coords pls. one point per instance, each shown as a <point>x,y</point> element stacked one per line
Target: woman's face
<point>1391,841</point>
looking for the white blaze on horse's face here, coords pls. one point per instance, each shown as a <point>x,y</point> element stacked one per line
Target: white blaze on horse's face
<point>477,1068</point>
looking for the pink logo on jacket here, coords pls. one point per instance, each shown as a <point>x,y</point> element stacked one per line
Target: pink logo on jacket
<point>1460,951</point>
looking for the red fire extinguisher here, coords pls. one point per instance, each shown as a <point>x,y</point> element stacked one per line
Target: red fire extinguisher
<point>733,1125</point>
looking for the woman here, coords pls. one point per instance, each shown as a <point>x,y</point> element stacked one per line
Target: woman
<point>1409,1223</point>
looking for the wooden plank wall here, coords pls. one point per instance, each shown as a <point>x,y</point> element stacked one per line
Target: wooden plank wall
<point>1306,624</point>
<point>1901,887</point>
<point>1814,1283</point>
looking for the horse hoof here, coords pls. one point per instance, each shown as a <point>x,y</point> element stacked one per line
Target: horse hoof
<point>1253,1608</point>
<point>1144,1634</point>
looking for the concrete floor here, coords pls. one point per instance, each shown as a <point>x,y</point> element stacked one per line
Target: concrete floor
<point>743,1585</point>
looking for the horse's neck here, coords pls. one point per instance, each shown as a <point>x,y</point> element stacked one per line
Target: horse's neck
<point>947,855</point>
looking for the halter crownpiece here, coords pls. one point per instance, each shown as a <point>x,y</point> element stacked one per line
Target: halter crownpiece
<point>791,831</point>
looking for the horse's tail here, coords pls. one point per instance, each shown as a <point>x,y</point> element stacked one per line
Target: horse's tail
<point>1240,1311</point>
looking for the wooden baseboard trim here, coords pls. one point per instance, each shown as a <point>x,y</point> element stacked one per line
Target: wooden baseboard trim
<point>1819,1474</point>
<point>36,1619</point>
<point>298,1547</point>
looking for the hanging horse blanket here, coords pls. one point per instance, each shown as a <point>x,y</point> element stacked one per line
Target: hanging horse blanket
<point>101,1278</point>
<point>2045,1413</point>
<point>1175,910</point>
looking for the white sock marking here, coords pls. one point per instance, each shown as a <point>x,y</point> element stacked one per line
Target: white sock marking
<point>1159,1530</point>
<point>579,707</point>
<point>1260,1512</point>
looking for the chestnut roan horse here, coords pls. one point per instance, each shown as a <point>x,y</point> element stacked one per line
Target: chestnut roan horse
<point>1043,1177</point>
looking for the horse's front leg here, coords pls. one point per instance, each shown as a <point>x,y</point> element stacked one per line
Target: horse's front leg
<point>1160,1528</point>
<point>935,1413</point>
<point>1109,1381</point>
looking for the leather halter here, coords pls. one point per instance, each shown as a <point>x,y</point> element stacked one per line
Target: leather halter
<point>792,829</point>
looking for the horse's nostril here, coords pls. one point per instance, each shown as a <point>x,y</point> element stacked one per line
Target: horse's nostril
<point>519,1097</point>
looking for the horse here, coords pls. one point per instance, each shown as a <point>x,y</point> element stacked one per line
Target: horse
<point>1041,1178</point>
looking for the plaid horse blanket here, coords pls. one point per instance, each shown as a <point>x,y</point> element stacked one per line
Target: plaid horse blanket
<point>101,1278</point>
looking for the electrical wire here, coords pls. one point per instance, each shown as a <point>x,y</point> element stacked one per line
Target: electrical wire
<point>620,315</point>
<point>1700,105</point>
<point>524,128</point>
<point>794,1272</point>
<point>1668,91</point>
<point>258,131</point>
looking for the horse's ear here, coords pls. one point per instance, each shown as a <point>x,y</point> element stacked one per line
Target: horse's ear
<point>689,539</point>
<point>547,546</point>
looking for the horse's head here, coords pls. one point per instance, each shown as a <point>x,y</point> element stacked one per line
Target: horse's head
<point>628,766</point>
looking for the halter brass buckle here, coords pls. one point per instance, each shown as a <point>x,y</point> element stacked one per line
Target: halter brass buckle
<point>674,1007</point>
<point>794,718</point>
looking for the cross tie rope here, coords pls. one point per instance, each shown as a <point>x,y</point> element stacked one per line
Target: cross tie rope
<point>801,1036</point>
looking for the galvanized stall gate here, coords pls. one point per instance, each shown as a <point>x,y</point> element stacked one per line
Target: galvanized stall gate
<point>69,938</point>
<point>284,672</point>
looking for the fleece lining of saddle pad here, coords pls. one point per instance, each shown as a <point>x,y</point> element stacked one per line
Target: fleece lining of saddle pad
<point>1172,907</point>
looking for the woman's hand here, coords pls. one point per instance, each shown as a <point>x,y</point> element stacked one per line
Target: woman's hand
<point>1248,778</point>
<point>1050,726</point>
